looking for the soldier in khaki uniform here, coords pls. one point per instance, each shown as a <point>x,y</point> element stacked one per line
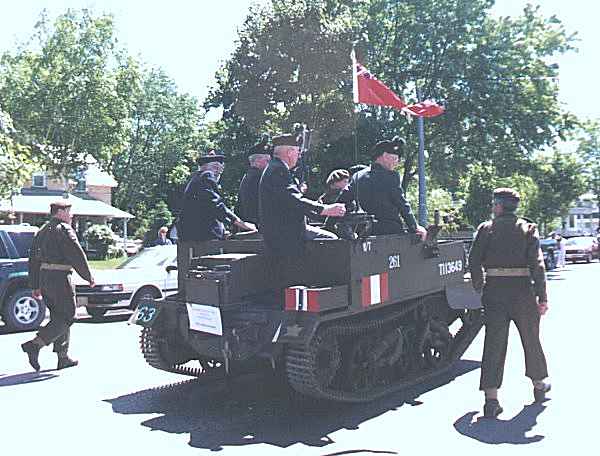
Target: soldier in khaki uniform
<point>55,252</point>
<point>514,288</point>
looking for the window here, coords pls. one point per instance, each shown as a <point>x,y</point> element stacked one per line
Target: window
<point>3,252</point>
<point>81,185</point>
<point>22,242</point>
<point>38,180</point>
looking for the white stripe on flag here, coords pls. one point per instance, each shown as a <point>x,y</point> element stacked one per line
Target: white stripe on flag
<point>375,289</point>
<point>301,298</point>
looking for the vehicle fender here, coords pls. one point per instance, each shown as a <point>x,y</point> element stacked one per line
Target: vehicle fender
<point>461,295</point>
<point>154,286</point>
<point>15,282</point>
<point>294,328</point>
<point>143,317</point>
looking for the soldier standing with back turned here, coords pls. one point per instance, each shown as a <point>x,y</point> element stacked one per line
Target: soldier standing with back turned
<point>55,252</point>
<point>514,288</point>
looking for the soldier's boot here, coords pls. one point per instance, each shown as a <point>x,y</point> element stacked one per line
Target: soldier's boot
<point>33,350</point>
<point>492,408</point>
<point>65,362</point>
<point>540,388</point>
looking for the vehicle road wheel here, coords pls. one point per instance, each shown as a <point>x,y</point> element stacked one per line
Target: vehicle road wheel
<point>22,312</point>
<point>96,312</point>
<point>144,294</point>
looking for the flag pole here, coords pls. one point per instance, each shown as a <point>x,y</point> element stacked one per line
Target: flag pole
<point>355,100</point>
<point>422,185</point>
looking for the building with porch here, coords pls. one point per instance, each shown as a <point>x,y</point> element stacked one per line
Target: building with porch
<point>90,195</point>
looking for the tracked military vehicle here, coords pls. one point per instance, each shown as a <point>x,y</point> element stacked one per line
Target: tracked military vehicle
<point>359,318</point>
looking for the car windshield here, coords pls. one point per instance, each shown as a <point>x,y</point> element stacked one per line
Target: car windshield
<point>580,242</point>
<point>151,257</point>
<point>22,242</point>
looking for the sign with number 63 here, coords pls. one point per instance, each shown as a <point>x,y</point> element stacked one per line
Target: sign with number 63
<point>145,314</point>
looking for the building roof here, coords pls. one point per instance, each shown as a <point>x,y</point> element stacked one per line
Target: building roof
<point>40,204</point>
<point>95,176</point>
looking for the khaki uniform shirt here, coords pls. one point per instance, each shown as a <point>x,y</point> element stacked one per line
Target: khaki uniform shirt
<point>56,243</point>
<point>508,242</point>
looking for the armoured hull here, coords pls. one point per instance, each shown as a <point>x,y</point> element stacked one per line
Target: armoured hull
<point>348,320</point>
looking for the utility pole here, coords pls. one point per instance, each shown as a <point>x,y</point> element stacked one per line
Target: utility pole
<point>422,185</point>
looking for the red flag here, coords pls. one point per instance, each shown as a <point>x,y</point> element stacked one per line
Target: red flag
<point>426,108</point>
<point>369,90</point>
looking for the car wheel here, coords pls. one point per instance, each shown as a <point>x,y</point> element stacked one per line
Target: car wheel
<point>142,295</point>
<point>551,262</point>
<point>96,312</point>
<point>22,312</point>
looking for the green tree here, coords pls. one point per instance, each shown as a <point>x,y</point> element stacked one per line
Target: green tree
<point>69,89</point>
<point>496,76</point>
<point>588,137</point>
<point>478,189</point>
<point>560,180</point>
<point>164,125</point>
<point>17,160</point>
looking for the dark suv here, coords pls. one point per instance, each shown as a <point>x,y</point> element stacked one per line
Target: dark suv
<point>19,310</point>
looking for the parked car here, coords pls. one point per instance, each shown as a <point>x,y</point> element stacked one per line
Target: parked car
<point>582,248</point>
<point>151,273</point>
<point>19,310</point>
<point>550,252</point>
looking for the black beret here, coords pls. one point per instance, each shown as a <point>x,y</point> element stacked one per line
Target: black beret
<point>508,198</point>
<point>263,147</point>
<point>60,204</point>
<point>391,147</point>
<point>506,193</point>
<point>285,140</point>
<point>210,157</point>
<point>356,168</point>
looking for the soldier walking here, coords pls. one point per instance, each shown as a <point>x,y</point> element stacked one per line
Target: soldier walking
<point>514,289</point>
<point>55,252</point>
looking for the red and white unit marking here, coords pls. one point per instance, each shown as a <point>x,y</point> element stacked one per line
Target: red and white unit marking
<point>375,289</point>
<point>302,299</point>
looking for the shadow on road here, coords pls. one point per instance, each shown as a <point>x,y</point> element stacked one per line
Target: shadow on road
<point>29,377</point>
<point>259,409</point>
<point>497,431</point>
<point>111,318</point>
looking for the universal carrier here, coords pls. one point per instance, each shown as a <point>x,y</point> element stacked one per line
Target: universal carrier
<point>361,318</point>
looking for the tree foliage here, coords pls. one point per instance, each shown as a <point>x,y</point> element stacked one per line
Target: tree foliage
<point>495,76</point>
<point>560,181</point>
<point>17,160</point>
<point>588,138</point>
<point>163,126</point>
<point>69,89</point>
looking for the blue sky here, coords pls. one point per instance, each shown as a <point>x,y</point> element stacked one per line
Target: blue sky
<point>191,38</point>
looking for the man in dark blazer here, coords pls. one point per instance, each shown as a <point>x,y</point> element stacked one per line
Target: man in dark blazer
<point>258,159</point>
<point>378,190</point>
<point>282,206</point>
<point>204,212</point>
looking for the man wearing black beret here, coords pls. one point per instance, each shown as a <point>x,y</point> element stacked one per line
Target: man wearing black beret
<point>379,192</point>
<point>282,206</point>
<point>204,212</point>
<point>258,159</point>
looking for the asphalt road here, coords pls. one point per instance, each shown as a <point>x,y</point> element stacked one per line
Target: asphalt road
<point>113,403</point>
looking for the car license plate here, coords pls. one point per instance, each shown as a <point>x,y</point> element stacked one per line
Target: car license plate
<point>82,301</point>
<point>145,314</point>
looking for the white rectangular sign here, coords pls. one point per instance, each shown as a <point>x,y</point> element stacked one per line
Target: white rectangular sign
<point>205,318</point>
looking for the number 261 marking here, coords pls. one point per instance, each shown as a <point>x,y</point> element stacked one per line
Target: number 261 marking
<point>394,261</point>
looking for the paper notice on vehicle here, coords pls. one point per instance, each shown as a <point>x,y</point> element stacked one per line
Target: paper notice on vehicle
<point>205,318</point>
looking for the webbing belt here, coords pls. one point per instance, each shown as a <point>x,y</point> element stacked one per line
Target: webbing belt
<point>55,267</point>
<point>507,272</point>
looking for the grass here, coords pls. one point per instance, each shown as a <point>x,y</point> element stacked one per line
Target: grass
<point>106,264</point>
